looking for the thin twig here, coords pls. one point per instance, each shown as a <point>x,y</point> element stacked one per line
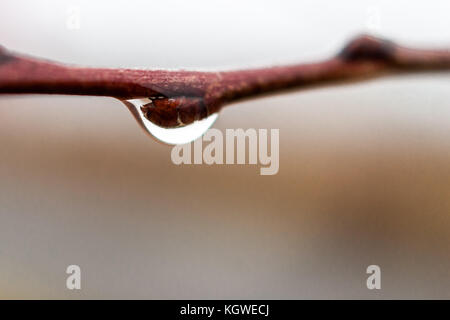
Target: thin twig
<point>187,96</point>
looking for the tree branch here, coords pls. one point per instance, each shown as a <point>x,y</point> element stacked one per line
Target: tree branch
<point>189,96</point>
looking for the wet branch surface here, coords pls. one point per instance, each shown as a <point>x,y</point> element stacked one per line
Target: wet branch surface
<point>182,97</point>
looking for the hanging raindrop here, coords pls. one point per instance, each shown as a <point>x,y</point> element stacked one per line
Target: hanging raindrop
<point>178,135</point>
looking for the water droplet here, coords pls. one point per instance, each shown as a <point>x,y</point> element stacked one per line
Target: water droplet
<point>179,135</point>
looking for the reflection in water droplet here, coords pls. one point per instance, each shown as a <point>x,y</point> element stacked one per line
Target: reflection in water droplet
<point>179,135</point>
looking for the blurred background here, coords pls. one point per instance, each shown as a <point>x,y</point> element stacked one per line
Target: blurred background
<point>364,168</point>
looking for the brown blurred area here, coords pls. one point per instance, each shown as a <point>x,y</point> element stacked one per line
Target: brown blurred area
<point>364,179</point>
<point>358,184</point>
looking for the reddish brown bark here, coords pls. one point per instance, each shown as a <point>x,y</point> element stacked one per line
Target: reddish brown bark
<point>187,96</point>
